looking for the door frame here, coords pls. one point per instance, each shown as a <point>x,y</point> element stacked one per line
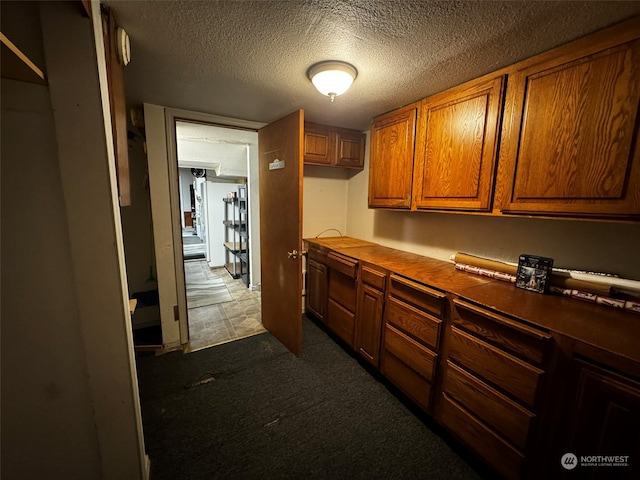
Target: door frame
<point>163,174</point>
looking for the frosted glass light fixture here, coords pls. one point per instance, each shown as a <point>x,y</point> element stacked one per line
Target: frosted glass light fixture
<point>332,78</point>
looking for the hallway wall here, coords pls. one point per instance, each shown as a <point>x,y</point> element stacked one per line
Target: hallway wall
<point>68,385</point>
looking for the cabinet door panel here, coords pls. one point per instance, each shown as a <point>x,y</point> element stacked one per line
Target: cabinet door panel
<point>316,294</point>
<point>349,149</point>
<point>369,324</point>
<point>571,145</point>
<point>458,143</point>
<point>606,415</point>
<point>318,144</point>
<point>391,158</point>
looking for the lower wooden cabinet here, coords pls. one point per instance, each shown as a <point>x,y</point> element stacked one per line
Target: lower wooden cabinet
<point>317,282</point>
<point>516,395</point>
<point>316,289</point>
<point>604,419</point>
<point>483,440</point>
<point>341,314</point>
<point>411,338</point>
<point>341,320</point>
<point>492,382</point>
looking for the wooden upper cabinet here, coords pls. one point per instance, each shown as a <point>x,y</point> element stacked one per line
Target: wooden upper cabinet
<point>393,138</point>
<point>318,144</point>
<point>456,154</point>
<point>570,135</point>
<point>349,149</point>
<point>331,146</point>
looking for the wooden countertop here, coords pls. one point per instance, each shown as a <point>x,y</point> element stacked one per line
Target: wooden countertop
<point>610,329</point>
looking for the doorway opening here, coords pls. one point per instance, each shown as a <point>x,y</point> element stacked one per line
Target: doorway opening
<point>214,188</point>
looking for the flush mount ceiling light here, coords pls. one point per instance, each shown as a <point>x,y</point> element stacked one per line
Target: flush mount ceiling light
<point>332,78</point>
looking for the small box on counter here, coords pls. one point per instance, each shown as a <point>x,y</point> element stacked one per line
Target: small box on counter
<point>534,273</point>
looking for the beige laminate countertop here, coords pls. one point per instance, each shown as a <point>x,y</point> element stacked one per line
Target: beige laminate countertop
<point>610,329</point>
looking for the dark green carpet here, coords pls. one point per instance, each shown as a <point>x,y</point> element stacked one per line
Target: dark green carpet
<point>250,409</point>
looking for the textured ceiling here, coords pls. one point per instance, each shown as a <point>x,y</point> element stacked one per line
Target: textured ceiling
<point>207,145</point>
<point>248,59</point>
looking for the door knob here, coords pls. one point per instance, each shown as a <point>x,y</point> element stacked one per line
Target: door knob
<point>295,253</point>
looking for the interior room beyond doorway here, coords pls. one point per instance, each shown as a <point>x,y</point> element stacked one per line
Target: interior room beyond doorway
<point>213,162</point>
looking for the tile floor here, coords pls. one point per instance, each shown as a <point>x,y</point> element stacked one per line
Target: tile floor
<point>223,322</point>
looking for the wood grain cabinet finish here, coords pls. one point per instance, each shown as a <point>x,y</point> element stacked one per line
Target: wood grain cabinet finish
<point>570,135</point>
<point>412,321</point>
<point>517,395</point>
<point>371,288</point>
<point>349,149</point>
<point>332,146</point>
<point>605,416</point>
<point>341,315</point>
<point>115,80</point>
<point>317,289</point>
<point>393,138</point>
<point>492,383</point>
<point>456,152</point>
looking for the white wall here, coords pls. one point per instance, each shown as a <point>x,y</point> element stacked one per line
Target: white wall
<point>583,245</point>
<point>230,158</point>
<point>325,200</point>
<point>253,182</point>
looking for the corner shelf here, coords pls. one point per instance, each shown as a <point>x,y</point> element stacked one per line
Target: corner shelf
<point>17,66</point>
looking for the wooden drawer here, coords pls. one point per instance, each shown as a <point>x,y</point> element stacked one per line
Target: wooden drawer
<point>340,263</point>
<point>499,412</point>
<point>410,352</point>
<point>342,289</point>
<point>317,253</point>
<point>501,369</point>
<point>489,446</point>
<point>341,321</point>
<point>424,298</point>
<point>515,337</point>
<point>374,278</point>
<point>412,321</point>
<point>413,385</point>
